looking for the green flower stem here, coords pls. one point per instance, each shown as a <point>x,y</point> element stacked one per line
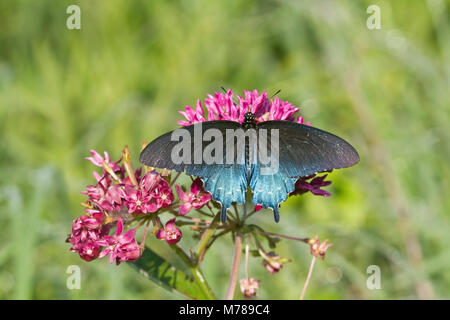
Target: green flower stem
<point>196,272</point>
<point>205,213</point>
<point>142,246</point>
<point>206,236</point>
<point>246,257</point>
<point>236,213</point>
<point>249,215</point>
<point>214,238</point>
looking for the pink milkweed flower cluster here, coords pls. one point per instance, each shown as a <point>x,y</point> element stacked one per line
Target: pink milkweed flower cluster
<point>87,231</point>
<point>222,106</point>
<point>153,193</point>
<point>118,198</point>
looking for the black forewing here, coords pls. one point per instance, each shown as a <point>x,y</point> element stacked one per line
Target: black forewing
<point>227,183</point>
<point>305,150</point>
<point>158,153</point>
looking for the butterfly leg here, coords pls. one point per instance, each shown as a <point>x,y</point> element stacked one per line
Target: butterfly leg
<point>223,214</point>
<point>276,214</point>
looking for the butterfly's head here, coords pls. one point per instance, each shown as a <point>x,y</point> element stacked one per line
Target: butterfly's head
<point>249,120</point>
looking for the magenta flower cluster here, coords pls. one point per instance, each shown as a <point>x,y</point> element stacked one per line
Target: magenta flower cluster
<point>222,106</point>
<point>117,197</point>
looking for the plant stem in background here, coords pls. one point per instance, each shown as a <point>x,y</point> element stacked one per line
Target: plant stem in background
<point>235,266</point>
<point>308,277</point>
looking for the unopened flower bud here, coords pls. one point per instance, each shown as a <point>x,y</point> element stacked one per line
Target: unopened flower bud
<point>274,262</point>
<point>317,248</point>
<point>249,287</point>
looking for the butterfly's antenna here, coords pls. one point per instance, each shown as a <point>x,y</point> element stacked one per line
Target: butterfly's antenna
<point>279,90</point>
<point>225,90</point>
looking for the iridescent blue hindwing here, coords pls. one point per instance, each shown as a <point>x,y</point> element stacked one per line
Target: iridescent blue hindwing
<point>270,190</point>
<point>226,186</point>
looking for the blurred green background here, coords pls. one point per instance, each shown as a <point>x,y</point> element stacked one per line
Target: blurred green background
<point>121,79</point>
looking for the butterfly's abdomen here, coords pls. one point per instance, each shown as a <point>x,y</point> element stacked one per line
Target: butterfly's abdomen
<point>248,123</point>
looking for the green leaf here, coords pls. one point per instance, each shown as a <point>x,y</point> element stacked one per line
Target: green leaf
<point>158,270</point>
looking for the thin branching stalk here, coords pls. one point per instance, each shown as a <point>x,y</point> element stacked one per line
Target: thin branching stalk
<point>196,272</point>
<point>144,236</point>
<point>214,238</point>
<point>204,213</point>
<point>236,212</point>
<point>235,266</point>
<point>174,179</point>
<point>197,220</point>
<point>250,214</point>
<point>206,236</point>
<point>308,277</point>
<point>305,240</point>
<point>246,258</point>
